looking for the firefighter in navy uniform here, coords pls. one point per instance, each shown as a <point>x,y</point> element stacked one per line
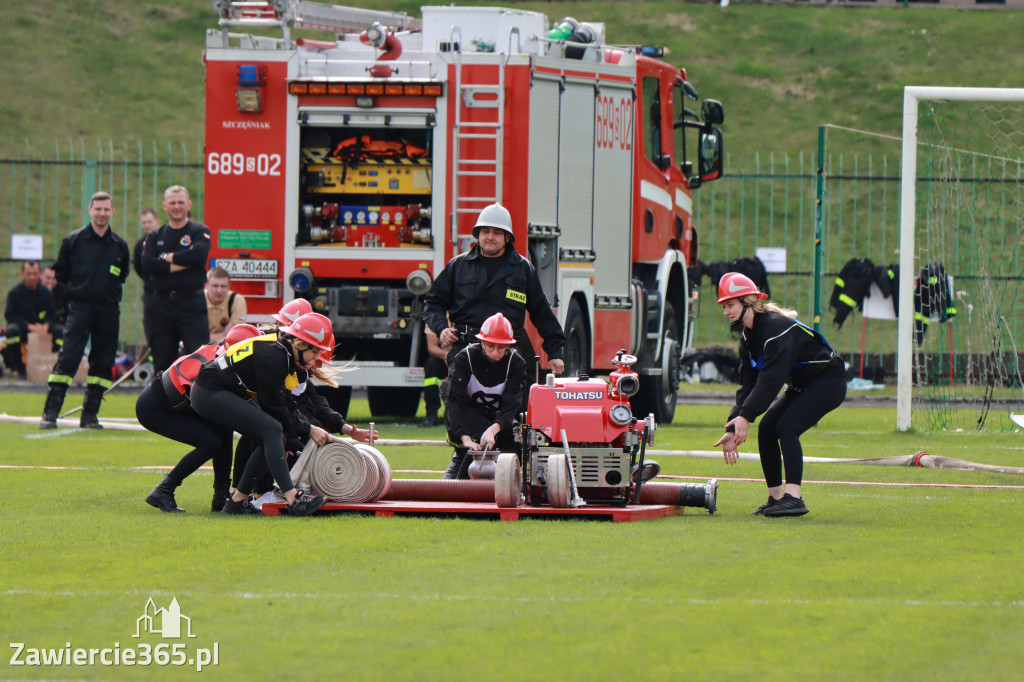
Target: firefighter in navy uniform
<point>93,262</point>
<point>30,308</point>
<point>174,258</point>
<point>775,350</point>
<point>163,407</point>
<point>492,277</point>
<point>488,379</point>
<point>244,390</point>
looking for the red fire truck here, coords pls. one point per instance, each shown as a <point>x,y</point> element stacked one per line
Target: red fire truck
<point>349,171</point>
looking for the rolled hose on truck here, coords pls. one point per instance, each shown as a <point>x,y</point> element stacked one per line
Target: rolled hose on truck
<point>702,495</point>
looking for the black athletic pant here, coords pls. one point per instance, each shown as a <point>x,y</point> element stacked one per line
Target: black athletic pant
<point>246,417</point>
<point>211,441</point>
<point>243,452</point>
<point>790,415</point>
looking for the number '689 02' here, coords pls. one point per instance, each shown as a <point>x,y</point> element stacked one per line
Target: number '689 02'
<point>227,163</point>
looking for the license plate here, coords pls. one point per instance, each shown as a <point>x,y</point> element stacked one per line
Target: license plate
<point>248,267</point>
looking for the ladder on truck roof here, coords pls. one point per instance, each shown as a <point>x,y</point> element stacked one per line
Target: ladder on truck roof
<point>473,96</point>
<point>287,14</point>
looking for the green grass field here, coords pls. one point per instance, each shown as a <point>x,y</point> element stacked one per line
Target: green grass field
<point>880,581</point>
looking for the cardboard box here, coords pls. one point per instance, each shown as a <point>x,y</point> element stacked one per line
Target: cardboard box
<point>39,343</point>
<point>39,366</point>
<point>40,359</point>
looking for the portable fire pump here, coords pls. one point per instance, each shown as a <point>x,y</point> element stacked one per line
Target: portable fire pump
<point>349,171</point>
<point>580,444</point>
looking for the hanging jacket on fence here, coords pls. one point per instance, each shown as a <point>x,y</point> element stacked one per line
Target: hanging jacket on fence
<point>888,280</point>
<point>852,284</point>
<point>932,297</point>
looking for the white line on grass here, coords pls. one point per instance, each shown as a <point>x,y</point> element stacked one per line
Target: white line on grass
<point>54,434</point>
<point>928,498</point>
<point>437,597</point>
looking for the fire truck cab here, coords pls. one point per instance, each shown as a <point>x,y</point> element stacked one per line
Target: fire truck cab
<point>350,171</point>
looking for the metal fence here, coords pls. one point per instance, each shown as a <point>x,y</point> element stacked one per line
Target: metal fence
<point>764,200</point>
<point>45,190</point>
<point>771,201</point>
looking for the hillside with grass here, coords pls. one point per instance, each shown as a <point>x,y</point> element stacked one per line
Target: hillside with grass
<point>113,69</point>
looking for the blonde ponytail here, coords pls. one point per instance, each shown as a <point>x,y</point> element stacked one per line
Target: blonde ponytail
<point>768,307</point>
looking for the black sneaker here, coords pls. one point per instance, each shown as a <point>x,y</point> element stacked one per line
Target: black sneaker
<point>760,510</point>
<point>305,504</point>
<point>428,421</point>
<point>787,506</point>
<point>243,507</point>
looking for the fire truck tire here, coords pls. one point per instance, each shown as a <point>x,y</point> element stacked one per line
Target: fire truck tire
<point>577,348</point>
<point>558,481</point>
<point>507,481</point>
<point>658,392</point>
<point>393,402</point>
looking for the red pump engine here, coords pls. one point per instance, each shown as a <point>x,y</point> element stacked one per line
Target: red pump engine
<point>580,442</point>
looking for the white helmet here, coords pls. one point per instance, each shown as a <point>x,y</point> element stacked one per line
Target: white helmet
<point>497,216</point>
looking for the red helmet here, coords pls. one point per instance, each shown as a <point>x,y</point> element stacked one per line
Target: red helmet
<point>239,333</point>
<point>496,329</point>
<point>311,329</point>
<point>292,310</point>
<point>325,356</point>
<point>737,285</point>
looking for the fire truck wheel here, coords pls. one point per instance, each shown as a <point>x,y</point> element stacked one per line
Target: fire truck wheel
<point>558,481</point>
<point>658,392</point>
<point>577,350</point>
<point>396,402</point>
<point>508,481</point>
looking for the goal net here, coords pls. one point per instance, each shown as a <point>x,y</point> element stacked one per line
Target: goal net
<point>960,355</point>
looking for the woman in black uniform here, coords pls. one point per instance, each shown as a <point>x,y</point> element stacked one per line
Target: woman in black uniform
<point>775,350</point>
<point>487,382</point>
<point>245,390</point>
<point>313,408</point>
<point>163,407</point>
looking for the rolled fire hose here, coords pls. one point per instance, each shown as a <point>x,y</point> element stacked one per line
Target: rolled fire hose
<point>343,471</point>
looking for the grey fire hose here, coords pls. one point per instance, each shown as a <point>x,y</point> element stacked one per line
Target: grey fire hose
<point>343,471</point>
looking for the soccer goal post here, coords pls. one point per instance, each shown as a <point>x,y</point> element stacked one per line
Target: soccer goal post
<point>961,286</point>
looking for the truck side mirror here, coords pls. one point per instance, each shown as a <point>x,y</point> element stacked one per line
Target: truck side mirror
<point>709,155</point>
<point>712,112</point>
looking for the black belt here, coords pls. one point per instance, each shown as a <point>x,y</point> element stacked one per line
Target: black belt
<point>465,331</point>
<point>178,295</point>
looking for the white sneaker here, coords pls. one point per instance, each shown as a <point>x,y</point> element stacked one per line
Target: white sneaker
<point>270,496</point>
